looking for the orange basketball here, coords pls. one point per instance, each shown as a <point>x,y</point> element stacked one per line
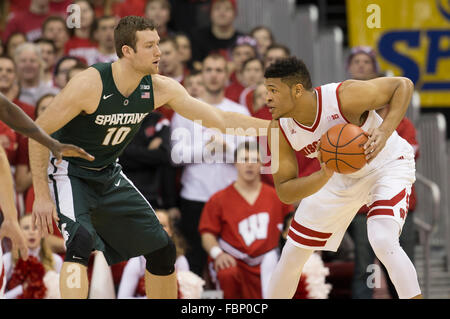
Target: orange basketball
<point>342,148</point>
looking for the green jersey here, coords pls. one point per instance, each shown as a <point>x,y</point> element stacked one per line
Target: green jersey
<point>106,132</point>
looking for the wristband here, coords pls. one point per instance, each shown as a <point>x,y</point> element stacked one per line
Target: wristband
<point>215,252</point>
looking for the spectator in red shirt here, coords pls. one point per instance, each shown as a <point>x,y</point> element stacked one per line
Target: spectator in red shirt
<point>54,28</point>
<point>81,43</point>
<point>28,21</point>
<point>238,225</point>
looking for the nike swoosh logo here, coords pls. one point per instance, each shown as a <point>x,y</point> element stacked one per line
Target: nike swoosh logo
<point>117,184</point>
<point>107,96</point>
<point>75,257</point>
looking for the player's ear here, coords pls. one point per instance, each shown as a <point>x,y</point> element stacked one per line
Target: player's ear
<point>297,90</point>
<point>127,50</point>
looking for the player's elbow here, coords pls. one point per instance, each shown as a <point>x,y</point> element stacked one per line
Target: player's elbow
<point>407,84</point>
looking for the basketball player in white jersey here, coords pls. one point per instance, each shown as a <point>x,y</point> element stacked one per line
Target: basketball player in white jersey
<point>329,201</point>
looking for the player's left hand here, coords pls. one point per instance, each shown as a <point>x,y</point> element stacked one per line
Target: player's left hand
<point>11,229</point>
<point>376,140</point>
<point>59,150</point>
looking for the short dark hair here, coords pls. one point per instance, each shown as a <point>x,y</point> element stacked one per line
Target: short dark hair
<point>251,60</point>
<point>291,71</point>
<point>279,46</point>
<point>47,41</point>
<point>171,39</point>
<point>247,146</point>
<point>53,19</point>
<point>125,32</point>
<point>61,60</point>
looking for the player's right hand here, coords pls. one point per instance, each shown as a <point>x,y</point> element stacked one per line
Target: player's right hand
<point>223,261</point>
<point>44,212</point>
<point>327,171</point>
<point>59,150</point>
<point>11,229</point>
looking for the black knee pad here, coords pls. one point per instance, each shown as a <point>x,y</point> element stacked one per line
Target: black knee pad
<point>161,262</point>
<point>80,247</point>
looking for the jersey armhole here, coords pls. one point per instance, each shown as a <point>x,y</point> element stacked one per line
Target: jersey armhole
<point>339,103</point>
<point>285,136</point>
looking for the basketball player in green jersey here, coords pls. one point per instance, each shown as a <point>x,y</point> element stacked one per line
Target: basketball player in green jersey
<point>96,206</point>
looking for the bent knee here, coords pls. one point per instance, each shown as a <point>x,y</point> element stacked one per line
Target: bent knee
<point>161,262</point>
<point>80,247</point>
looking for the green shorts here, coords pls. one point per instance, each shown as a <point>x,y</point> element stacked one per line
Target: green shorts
<point>109,206</point>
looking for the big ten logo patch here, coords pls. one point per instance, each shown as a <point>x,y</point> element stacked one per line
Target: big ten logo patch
<point>254,227</point>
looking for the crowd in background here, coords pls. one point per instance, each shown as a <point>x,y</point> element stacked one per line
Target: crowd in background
<point>226,215</point>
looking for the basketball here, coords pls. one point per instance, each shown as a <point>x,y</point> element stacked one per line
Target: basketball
<point>342,148</point>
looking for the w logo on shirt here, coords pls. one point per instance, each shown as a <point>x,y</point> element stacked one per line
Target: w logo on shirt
<point>254,227</point>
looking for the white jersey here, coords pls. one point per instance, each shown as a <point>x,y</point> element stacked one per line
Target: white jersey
<point>305,139</point>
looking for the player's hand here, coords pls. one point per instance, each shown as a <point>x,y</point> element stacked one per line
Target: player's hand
<point>44,212</point>
<point>11,229</point>
<point>325,169</point>
<point>376,140</point>
<point>224,261</point>
<point>59,150</point>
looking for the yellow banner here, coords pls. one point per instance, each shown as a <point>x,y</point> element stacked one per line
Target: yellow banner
<point>411,37</point>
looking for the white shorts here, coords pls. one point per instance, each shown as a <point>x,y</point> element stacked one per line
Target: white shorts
<point>321,219</point>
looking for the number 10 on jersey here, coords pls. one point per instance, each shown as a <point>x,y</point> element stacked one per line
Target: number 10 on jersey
<point>116,135</point>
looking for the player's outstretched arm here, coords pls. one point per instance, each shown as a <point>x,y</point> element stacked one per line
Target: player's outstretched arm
<point>291,188</point>
<point>356,97</point>
<point>82,93</point>
<point>10,226</point>
<point>170,92</point>
<point>18,120</point>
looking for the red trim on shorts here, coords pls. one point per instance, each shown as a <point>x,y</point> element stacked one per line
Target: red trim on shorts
<point>305,241</point>
<point>285,136</point>
<point>384,211</point>
<point>309,232</point>
<point>318,115</point>
<point>390,202</point>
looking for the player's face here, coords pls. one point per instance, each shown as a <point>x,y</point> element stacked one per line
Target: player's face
<point>147,55</point>
<point>7,74</point>
<point>279,99</point>
<point>248,165</point>
<point>214,75</point>
<point>361,67</point>
<point>30,232</point>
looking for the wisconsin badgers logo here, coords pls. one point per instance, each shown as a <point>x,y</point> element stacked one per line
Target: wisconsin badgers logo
<point>254,227</point>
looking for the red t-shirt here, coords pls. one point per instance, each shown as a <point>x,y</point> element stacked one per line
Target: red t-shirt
<point>25,22</point>
<point>250,229</point>
<point>233,91</point>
